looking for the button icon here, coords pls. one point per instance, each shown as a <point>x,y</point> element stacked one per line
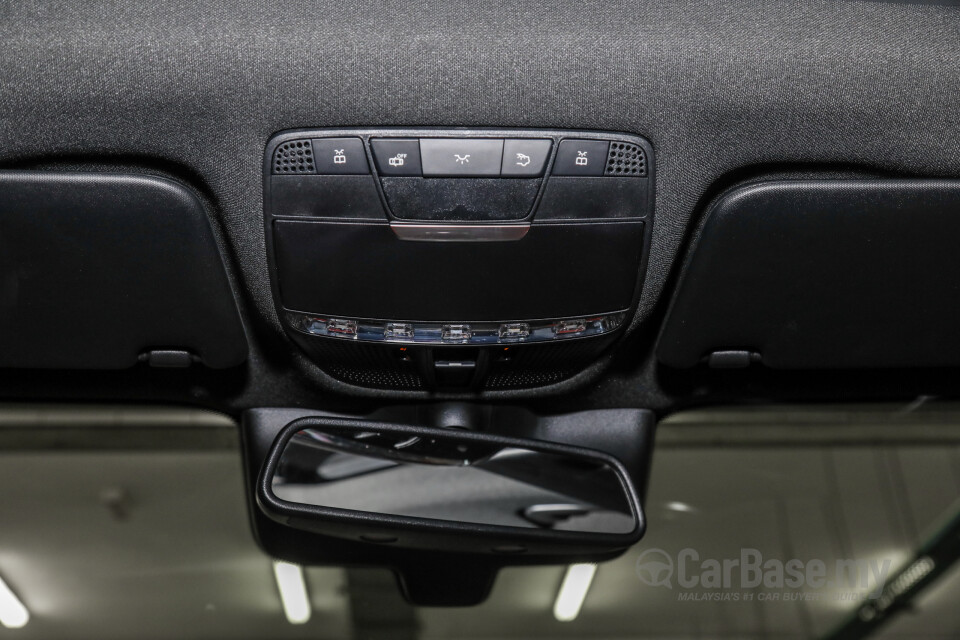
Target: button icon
<point>396,156</point>
<point>581,158</point>
<point>525,158</point>
<point>340,156</point>
<point>461,157</point>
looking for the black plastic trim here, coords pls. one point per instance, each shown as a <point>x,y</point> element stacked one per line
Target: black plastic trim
<point>98,269</point>
<point>823,274</point>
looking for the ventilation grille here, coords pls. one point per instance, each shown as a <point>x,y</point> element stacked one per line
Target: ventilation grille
<point>295,156</point>
<point>626,159</point>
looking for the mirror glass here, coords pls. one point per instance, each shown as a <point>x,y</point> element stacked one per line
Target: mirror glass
<point>452,478</point>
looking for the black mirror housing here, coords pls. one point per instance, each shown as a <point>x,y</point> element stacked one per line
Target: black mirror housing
<point>443,563</point>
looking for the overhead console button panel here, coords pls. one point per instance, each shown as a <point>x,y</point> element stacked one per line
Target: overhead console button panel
<point>440,175</point>
<point>510,257</point>
<point>451,157</point>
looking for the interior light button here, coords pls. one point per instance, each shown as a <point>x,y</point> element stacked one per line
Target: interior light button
<point>581,158</point>
<point>464,157</point>
<point>340,156</point>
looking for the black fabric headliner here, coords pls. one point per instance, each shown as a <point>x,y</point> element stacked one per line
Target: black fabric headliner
<point>719,87</point>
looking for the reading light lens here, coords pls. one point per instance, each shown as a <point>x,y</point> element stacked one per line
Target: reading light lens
<point>13,614</point>
<point>573,591</point>
<point>293,592</point>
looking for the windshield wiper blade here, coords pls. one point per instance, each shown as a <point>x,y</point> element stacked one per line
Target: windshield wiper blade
<point>932,560</point>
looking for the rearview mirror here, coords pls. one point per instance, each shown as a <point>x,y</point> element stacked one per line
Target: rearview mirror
<point>447,488</point>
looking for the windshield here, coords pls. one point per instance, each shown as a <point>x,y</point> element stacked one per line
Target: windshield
<point>762,522</point>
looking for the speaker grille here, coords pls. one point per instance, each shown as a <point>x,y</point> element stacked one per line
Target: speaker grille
<point>625,159</point>
<point>295,156</point>
<point>376,378</point>
<point>539,365</point>
<point>365,365</point>
<point>527,379</point>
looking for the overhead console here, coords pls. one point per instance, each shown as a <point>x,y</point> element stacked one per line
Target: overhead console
<point>456,259</point>
<point>822,274</point>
